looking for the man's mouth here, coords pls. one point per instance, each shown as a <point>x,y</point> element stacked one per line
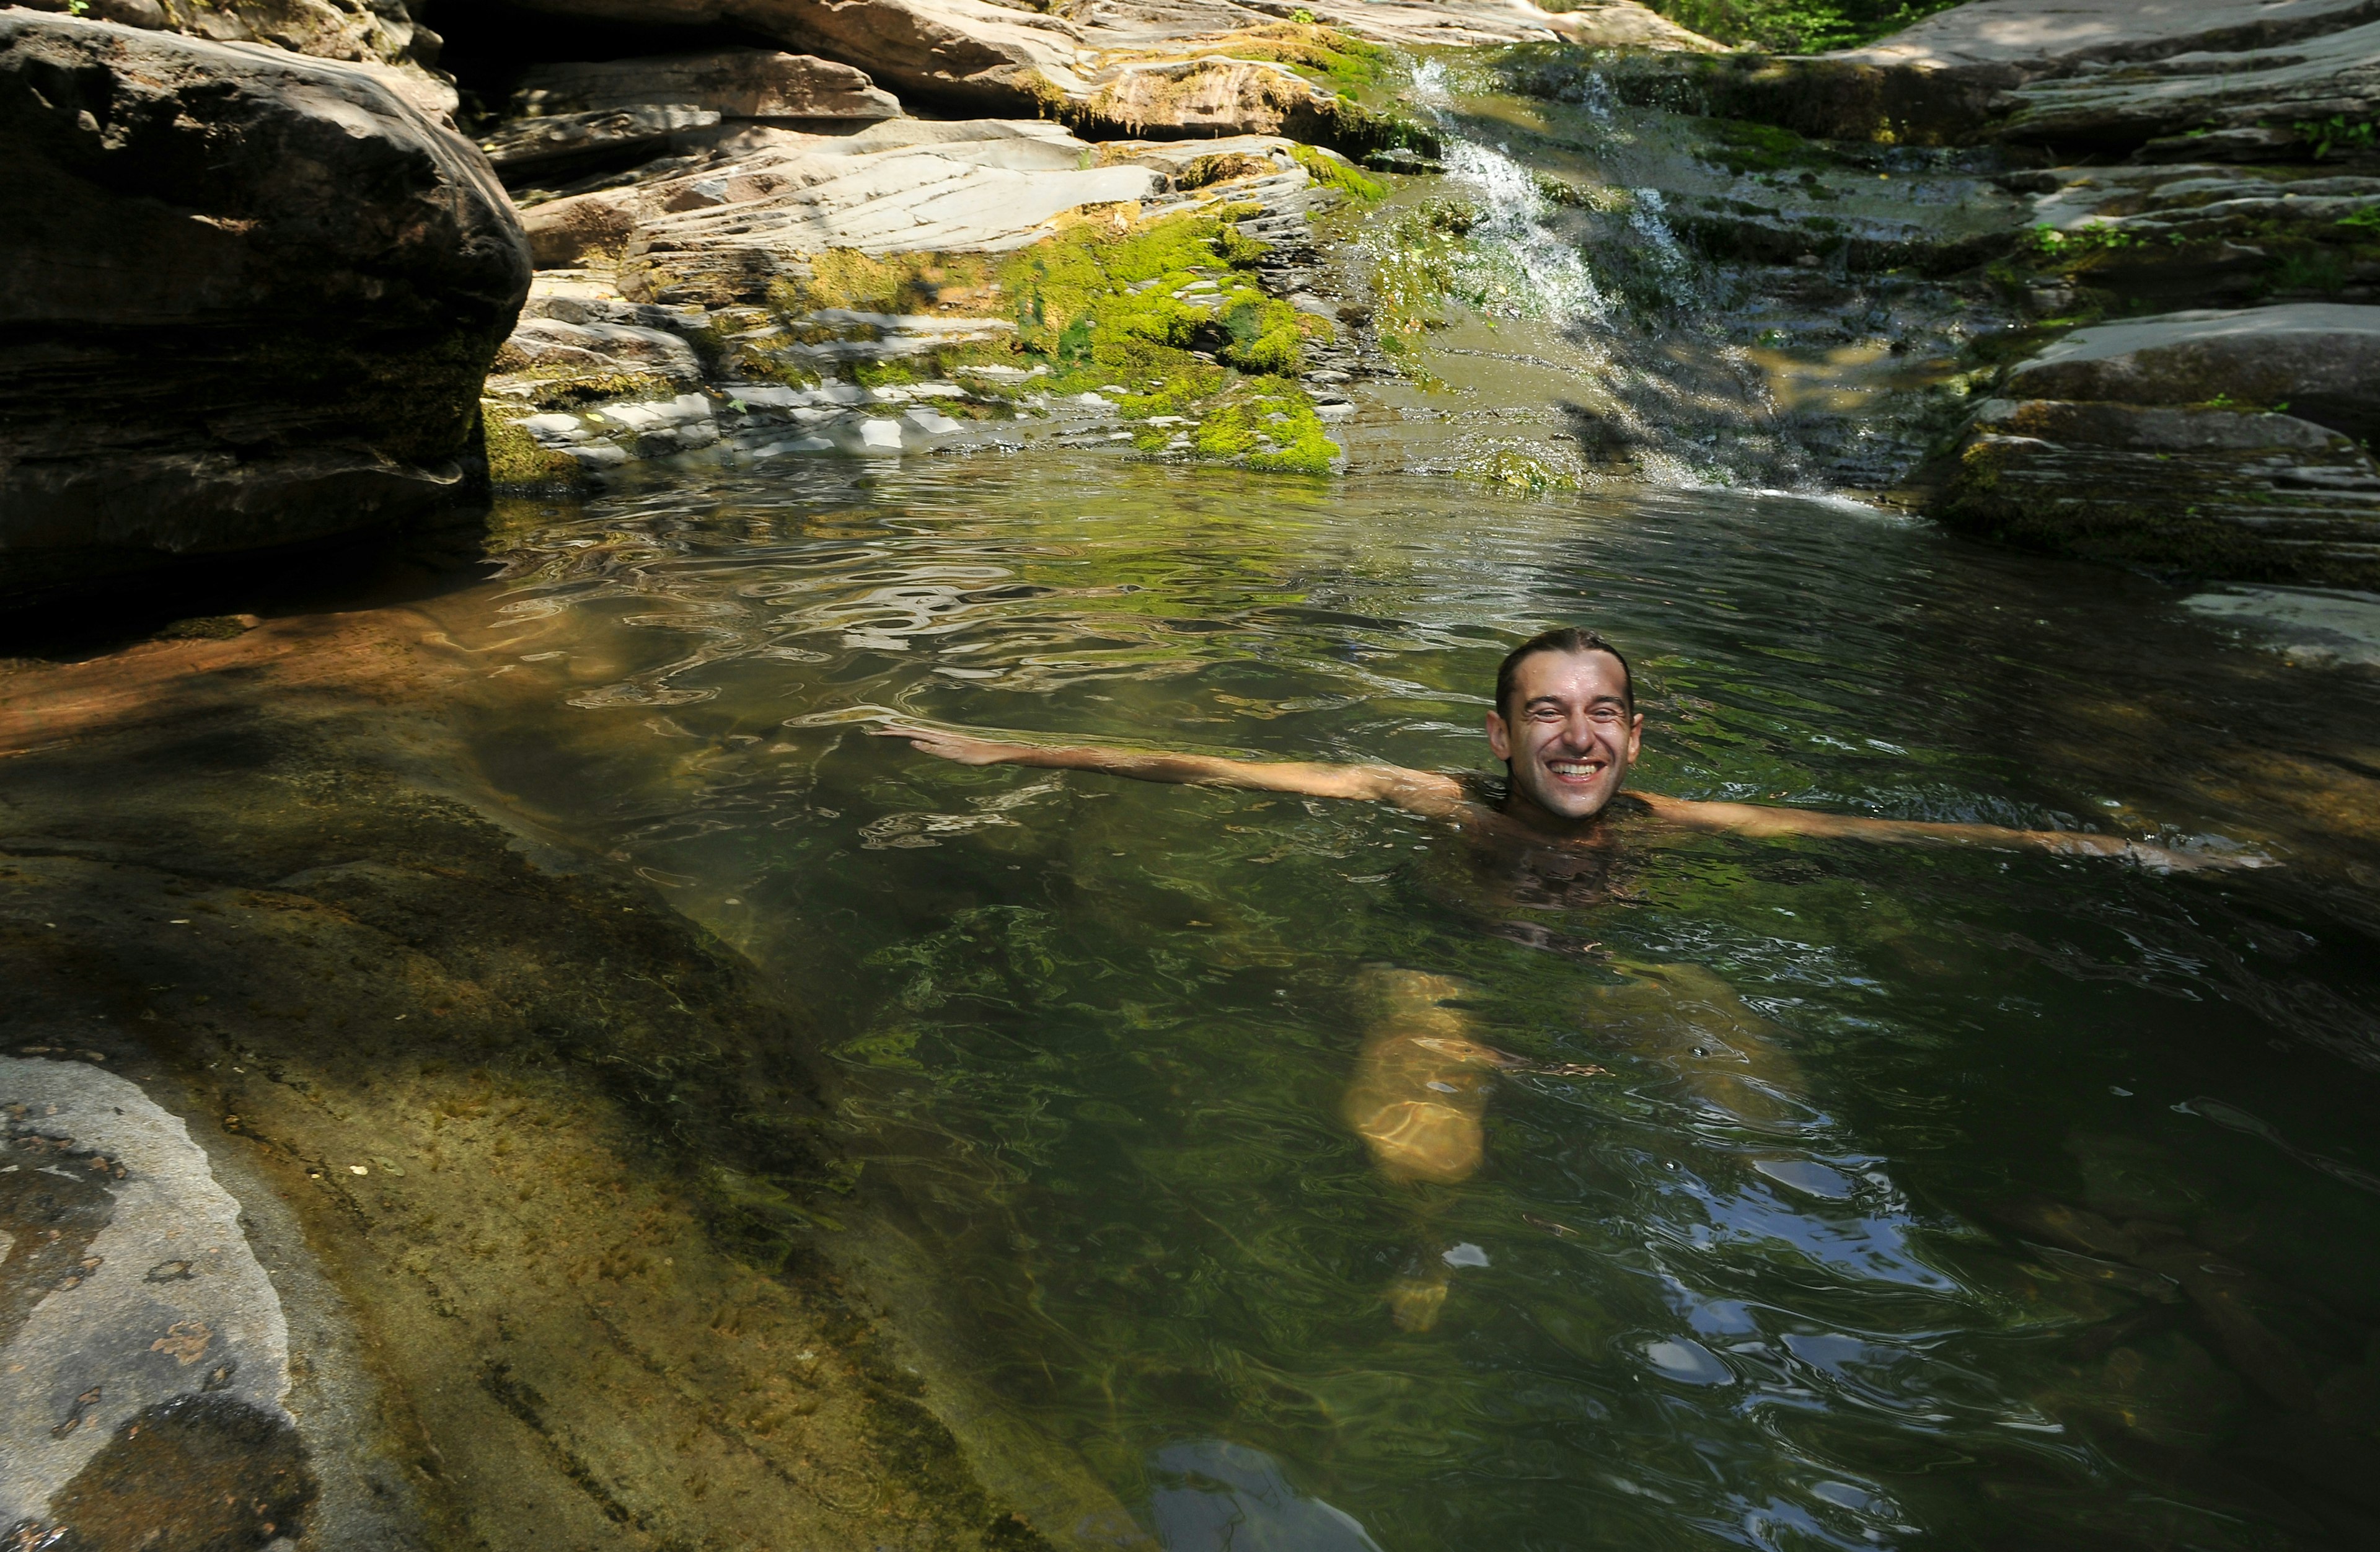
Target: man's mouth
<point>1576,771</point>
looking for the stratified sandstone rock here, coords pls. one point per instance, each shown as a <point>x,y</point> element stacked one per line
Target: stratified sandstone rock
<point>734,83</point>
<point>246,299</point>
<point>2214,492</point>
<point>960,50</point>
<point>2321,359</point>
<point>2252,92</point>
<point>726,230</point>
<point>361,30</point>
<point>1206,96</point>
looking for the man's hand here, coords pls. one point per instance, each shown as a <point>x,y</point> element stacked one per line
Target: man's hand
<point>957,746</point>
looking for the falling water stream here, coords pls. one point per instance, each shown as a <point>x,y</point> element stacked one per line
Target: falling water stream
<point>1846,1195</point>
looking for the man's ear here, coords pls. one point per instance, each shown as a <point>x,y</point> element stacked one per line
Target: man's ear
<point>1499,737</point>
<point>1635,735</point>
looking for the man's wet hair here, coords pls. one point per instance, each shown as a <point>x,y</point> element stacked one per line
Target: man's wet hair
<point>1567,639</point>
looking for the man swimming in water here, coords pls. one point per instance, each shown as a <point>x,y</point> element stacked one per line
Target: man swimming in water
<point>1567,728</point>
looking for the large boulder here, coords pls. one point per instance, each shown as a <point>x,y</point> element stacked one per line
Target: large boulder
<point>246,299</point>
<point>2320,359</point>
<point>381,30</point>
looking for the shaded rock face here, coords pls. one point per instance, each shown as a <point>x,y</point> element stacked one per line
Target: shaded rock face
<point>246,300</point>
<point>734,83</point>
<point>960,50</point>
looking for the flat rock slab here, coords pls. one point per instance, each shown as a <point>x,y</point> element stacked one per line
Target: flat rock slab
<point>2036,36</point>
<point>143,1354</point>
<point>721,234</point>
<point>2321,358</point>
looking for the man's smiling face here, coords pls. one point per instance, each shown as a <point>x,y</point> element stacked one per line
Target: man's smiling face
<point>1567,734</point>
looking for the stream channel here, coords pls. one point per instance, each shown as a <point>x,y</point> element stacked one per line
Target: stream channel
<point>1923,1195</point>
<point>1853,1196</point>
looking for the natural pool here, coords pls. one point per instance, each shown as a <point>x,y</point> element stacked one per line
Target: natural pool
<point>1925,1197</point>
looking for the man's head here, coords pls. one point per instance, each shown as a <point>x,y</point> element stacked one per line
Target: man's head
<point>1565,723</point>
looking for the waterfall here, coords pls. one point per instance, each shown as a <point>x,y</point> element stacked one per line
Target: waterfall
<point>1515,266</point>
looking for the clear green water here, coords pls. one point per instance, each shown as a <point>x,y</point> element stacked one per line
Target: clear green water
<point>2038,1210</point>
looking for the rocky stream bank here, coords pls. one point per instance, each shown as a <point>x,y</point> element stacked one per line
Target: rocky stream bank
<point>371,1151</point>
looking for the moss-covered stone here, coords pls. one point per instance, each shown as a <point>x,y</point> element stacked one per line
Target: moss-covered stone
<point>516,462</point>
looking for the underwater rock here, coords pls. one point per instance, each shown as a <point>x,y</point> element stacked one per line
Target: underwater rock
<point>247,299</point>
<point>135,1321</point>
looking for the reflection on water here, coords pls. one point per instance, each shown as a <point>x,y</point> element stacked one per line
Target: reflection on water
<point>1785,1193</point>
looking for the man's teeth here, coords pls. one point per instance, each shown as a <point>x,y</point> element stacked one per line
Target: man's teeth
<point>1574,768</point>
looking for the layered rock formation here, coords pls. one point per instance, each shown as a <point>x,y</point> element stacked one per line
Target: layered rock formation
<point>247,299</point>
<point>2234,444</point>
<point>822,327</point>
<point>958,50</point>
<point>736,83</point>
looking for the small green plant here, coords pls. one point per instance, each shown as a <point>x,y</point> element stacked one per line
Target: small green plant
<point>77,7</point>
<point>1302,17</point>
<point>2313,268</point>
<point>2097,236</point>
<point>2323,136</point>
<point>2365,220</point>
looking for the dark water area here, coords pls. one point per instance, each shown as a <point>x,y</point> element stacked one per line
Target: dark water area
<point>1924,1196</point>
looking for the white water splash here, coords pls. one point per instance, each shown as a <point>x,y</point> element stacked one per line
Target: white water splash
<point>1512,265</point>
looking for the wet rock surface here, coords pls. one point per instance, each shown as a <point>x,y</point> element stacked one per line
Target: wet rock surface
<point>248,300</point>
<point>143,1356</point>
<point>482,1102</point>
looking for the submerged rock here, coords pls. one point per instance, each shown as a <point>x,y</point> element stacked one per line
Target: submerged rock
<point>143,1355</point>
<point>248,300</point>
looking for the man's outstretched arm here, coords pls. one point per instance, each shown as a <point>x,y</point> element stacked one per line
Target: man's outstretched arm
<point>1420,792</point>
<point>1748,818</point>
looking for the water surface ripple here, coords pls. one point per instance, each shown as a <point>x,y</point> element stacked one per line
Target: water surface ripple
<point>1924,1197</point>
